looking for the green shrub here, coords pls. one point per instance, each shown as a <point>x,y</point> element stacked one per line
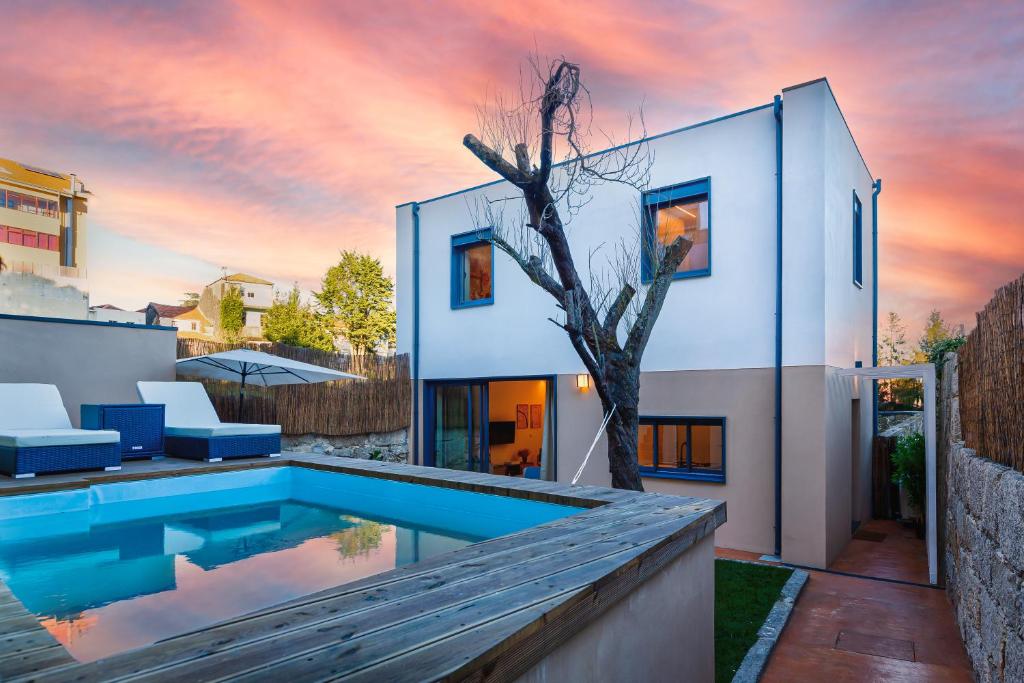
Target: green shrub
<point>908,467</point>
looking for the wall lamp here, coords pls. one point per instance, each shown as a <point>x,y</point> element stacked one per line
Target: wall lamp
<point>583,383</point>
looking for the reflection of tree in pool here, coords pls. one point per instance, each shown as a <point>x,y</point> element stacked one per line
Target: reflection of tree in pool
<point>359,539</point>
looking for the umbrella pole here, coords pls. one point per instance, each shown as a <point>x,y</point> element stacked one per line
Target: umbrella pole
<point>241,398</point>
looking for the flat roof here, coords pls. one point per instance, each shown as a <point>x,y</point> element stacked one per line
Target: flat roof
<point>672,132</point>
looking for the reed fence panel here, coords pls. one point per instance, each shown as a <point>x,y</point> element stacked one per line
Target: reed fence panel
<point>380,403</point>
<point>991,373</point>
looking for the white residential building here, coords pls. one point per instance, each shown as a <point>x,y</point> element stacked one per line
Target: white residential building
<point>257,296</point>
<point>739,391</point>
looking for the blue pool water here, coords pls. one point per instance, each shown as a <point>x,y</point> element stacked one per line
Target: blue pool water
<point>119,566</point>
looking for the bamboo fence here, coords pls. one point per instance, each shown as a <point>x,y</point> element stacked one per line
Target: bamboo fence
<point>380,403</point>
<point>991,369</point>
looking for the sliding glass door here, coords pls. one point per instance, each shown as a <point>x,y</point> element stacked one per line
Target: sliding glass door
<point>458,426</point>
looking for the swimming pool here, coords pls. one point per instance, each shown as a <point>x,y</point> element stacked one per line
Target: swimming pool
<point>117,566</point>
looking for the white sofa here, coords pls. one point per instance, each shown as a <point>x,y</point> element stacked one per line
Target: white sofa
<point>193,430</point>
<point>36,435</point>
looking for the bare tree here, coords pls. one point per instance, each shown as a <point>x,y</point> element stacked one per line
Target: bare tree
<point>606,321</point>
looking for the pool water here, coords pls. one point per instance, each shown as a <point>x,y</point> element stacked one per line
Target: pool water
<point>119,566</point>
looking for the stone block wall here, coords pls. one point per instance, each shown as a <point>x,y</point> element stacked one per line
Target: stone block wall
<point>389,447</point>
<point>984,554</point>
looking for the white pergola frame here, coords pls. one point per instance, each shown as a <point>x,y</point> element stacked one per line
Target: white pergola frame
<point>926,373</point>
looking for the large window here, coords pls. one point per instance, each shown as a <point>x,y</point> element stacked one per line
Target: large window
<point>858,241</point>
<point>678,211</point>
<point>682,448</point>
<point>28,238</point>
<point>472,269</point>
<point>28,203</point>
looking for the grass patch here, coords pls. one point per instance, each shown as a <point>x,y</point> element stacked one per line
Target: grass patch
<point>744,594</point>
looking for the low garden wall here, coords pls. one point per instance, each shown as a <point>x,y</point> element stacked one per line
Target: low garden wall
<point>984,558</point>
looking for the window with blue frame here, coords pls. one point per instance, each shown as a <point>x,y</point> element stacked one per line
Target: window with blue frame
<point>472,269</point>
<point>682,448</point>
<point>670,212</point>
<point>858,241</point>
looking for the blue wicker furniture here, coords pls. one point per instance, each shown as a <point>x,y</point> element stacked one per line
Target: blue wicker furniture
<point>28,461</point>
<point>223,447</point>
<point>141,426</point>
<point>192,428</point>
<point>36,435</point>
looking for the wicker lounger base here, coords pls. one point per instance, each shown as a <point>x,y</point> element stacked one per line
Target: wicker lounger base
<point>26,462</point>
<point>220,447</point>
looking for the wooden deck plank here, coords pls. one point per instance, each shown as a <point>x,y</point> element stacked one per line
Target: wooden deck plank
<point>25,646</point>
<point>345,656</point>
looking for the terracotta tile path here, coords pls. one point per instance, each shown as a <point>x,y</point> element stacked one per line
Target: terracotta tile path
<point>895,621</point>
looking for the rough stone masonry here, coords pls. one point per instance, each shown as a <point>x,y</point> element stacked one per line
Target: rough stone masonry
<point>984,547</point>
<point>389,447</point>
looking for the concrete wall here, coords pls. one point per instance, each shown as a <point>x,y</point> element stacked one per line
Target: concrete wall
<point>984,551</point>
<point>89,362</point>
<point>29,294</point>
<point>743,397</point>
<point>664,630</point>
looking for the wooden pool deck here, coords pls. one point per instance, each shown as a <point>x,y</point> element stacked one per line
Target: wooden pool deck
<point>488,611</point>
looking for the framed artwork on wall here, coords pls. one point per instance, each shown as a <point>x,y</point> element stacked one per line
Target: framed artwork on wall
<point>522,416</point>
<point>536,416</point>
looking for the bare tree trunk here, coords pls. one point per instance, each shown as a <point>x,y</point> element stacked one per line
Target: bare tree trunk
<point>622,449</point>
<point>593,319</point>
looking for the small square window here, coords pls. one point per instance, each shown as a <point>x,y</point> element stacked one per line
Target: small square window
<point>682,448</point>
<point>678,211</point>
<point>472,269</point>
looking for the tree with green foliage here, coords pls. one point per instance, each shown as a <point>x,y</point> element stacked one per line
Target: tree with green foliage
<point>908,467</point>
<point>937,334</point>
<point>289,321</point>
<point>894,350</point>
<point>232,314</point>
<point>190,299</point>
<point>358,298</point>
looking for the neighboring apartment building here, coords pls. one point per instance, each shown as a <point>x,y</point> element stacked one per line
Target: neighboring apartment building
<point>257,295</point>
<point>742,346</point>
<point>42,242</point>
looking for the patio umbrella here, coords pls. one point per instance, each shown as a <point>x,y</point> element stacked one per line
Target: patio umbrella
<point>257,367</point>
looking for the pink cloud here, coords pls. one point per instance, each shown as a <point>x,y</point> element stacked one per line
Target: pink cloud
<point>266,136</point>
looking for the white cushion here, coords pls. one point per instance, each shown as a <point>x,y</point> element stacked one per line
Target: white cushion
<point>32,406</point>
<point>223,429</point>
<point>187,404</point>
<point>28,438</point>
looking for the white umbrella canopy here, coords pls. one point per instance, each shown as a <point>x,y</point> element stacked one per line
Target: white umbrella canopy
<point>257,367</point>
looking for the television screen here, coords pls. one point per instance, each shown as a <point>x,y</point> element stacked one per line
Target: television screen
<point>501,432</point>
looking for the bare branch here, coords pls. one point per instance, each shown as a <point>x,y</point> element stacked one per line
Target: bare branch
<point>640,333</point>
<point>495,161</point>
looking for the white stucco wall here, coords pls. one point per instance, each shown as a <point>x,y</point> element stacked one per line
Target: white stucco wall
<point>721,321</point>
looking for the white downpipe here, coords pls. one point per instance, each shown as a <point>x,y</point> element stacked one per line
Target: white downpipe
<point>597,437</point>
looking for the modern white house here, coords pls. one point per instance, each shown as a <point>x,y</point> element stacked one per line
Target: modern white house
<point>741,395</point>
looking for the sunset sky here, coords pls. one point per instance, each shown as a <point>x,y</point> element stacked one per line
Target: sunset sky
<point>265,137</point>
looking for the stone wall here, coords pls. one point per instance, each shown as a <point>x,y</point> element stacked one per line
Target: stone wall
<point>389,447</point>
<point>984,558</point>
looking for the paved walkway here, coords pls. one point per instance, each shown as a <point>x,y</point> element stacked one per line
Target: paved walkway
<point>848,628</point>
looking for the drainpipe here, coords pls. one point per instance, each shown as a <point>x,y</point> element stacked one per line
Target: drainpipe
<point>777,111</point>
<point>417,459</point>
<point>69,227</point>
<point>876,189</point>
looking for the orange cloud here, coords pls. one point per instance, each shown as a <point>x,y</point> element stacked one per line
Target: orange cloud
<point>266,136</point>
